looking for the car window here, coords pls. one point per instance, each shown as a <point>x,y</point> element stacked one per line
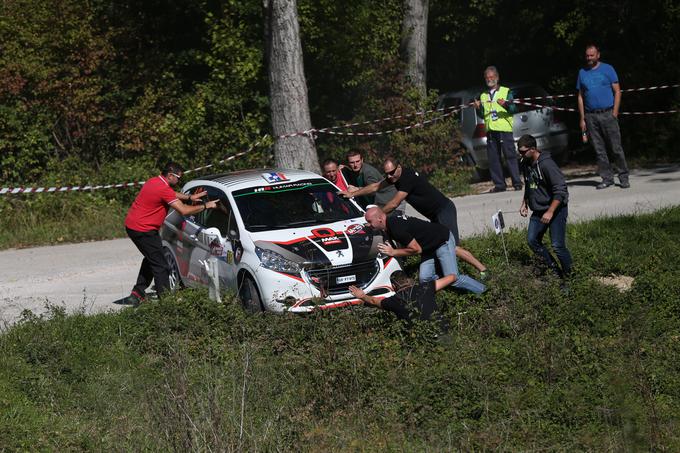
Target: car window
<point>290,205</point>
<point>221,217</point>
<point>530,91</point>
<point>448,102</point>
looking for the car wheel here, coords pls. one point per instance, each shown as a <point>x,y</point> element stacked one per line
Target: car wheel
<point>250,297</point>
<point>482,174</point>
<point>173,271</point>
<point>563,157</point>
<point>466,157</point>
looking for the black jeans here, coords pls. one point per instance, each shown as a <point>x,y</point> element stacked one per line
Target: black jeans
<point>154,265</point>
<point>448,216</point>
<point>497,142</point>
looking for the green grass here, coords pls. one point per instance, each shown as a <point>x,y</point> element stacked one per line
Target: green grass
<point>46,219</point>
<point>527,367</point>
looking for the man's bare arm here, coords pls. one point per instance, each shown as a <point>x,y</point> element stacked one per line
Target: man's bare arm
<point>360,294</point>
<point>617,99</point>
<point>366,190</point>
<point>187,210</point>
<point>413,248</point>
<point>581,111</point>
<point>394,202</point>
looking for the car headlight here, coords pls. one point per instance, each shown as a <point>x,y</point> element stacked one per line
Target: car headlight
<point>276,262</point>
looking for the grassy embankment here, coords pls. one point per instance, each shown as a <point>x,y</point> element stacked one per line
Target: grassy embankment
<point>528,367</point>
<point>33,220</point>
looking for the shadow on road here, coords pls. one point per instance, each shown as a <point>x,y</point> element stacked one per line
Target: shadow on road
<point>659,170</point>
<point>583,183</point>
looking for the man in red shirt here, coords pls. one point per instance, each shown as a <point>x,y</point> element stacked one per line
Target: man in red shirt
<point>144,220</point>
<point>333,173</point>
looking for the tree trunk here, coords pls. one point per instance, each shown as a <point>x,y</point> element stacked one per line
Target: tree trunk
<point>288,88</point>
<point>414,42</point>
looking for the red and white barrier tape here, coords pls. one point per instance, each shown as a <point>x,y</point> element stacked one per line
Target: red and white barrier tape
<point>22,190</point>
<point>17,190</point>
<point>329,131</point>
<point>332,131</point>
<point>462,106</point>
<point>569,109</point>
<point>232,157</point>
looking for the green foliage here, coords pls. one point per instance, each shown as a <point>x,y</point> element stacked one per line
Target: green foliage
<point>526,366</point>
<point>116,84</point>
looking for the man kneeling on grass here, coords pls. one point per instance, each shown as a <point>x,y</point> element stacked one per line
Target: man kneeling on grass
<point>432,241</point>
<point>411,300</point>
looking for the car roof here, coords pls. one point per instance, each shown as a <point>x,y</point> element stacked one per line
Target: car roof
<point>248,178</point>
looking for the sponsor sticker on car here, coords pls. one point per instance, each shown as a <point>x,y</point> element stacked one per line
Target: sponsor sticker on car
<point>272,177</point>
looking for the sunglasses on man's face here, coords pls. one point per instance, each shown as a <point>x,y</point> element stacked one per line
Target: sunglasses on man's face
<point>391,173</point>
<point>175,175</point>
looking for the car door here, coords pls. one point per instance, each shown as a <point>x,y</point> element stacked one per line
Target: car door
<point>192,248</point>
<point>216,237</point>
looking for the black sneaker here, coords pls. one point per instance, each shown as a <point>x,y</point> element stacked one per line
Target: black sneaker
<point>625,185</point>
<point>604,185</point>
<point>518,187</point>
<point>133,299</point>
<point>496,190</point>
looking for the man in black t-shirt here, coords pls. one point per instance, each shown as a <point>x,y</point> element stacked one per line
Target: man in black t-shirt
<point>430,240</point>
<point>411,300</point>
<point>424,198</point>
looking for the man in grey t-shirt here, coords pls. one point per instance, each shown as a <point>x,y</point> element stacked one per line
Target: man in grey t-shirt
<point>364,174</point>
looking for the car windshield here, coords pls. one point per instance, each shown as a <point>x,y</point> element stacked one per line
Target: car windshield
<point>294,204</point>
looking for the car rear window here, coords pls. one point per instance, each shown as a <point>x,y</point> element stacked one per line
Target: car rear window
<point>530,91</point>
<point>293,204</point>
<point>448,103</point>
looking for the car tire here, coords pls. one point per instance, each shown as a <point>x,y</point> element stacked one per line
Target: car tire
<point>482,174</point>
<point>249,295</point>
<point>563,157</point>
<point>173,271</point>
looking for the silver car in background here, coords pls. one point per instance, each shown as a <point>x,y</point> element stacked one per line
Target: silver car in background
<point>549,129</point>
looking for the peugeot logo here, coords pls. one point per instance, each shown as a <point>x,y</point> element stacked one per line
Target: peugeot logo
<point>339,252</point>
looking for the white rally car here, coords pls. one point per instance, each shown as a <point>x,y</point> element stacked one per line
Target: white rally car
<point>283,239</point>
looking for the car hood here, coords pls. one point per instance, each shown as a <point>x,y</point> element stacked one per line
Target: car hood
<point>335,244</point>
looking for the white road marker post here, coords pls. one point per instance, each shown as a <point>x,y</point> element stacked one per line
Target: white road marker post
<point>499,225</point>
<point>212,270</point>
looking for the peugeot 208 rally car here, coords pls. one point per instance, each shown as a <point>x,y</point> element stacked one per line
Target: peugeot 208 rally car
<point>283,239</point>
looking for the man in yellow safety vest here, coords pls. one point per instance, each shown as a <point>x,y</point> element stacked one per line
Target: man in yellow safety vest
<point>497,108</point>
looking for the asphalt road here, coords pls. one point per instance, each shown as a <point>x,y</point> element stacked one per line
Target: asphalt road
<point>91,276</point>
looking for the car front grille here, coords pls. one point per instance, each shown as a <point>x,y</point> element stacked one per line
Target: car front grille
<point>326,279</point>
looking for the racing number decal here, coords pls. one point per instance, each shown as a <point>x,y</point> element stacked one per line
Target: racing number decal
<point>326,236</point>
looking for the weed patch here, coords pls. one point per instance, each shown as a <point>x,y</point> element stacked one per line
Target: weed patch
<point>527,366</point>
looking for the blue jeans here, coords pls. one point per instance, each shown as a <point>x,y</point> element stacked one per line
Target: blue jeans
<point>558,233</point>
<point>446,256</point>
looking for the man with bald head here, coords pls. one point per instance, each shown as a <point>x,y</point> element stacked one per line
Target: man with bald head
<point>430,240</point>
<point>425,198</point>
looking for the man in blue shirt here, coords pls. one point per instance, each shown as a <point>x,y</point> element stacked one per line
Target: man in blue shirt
<point>599,98</point>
